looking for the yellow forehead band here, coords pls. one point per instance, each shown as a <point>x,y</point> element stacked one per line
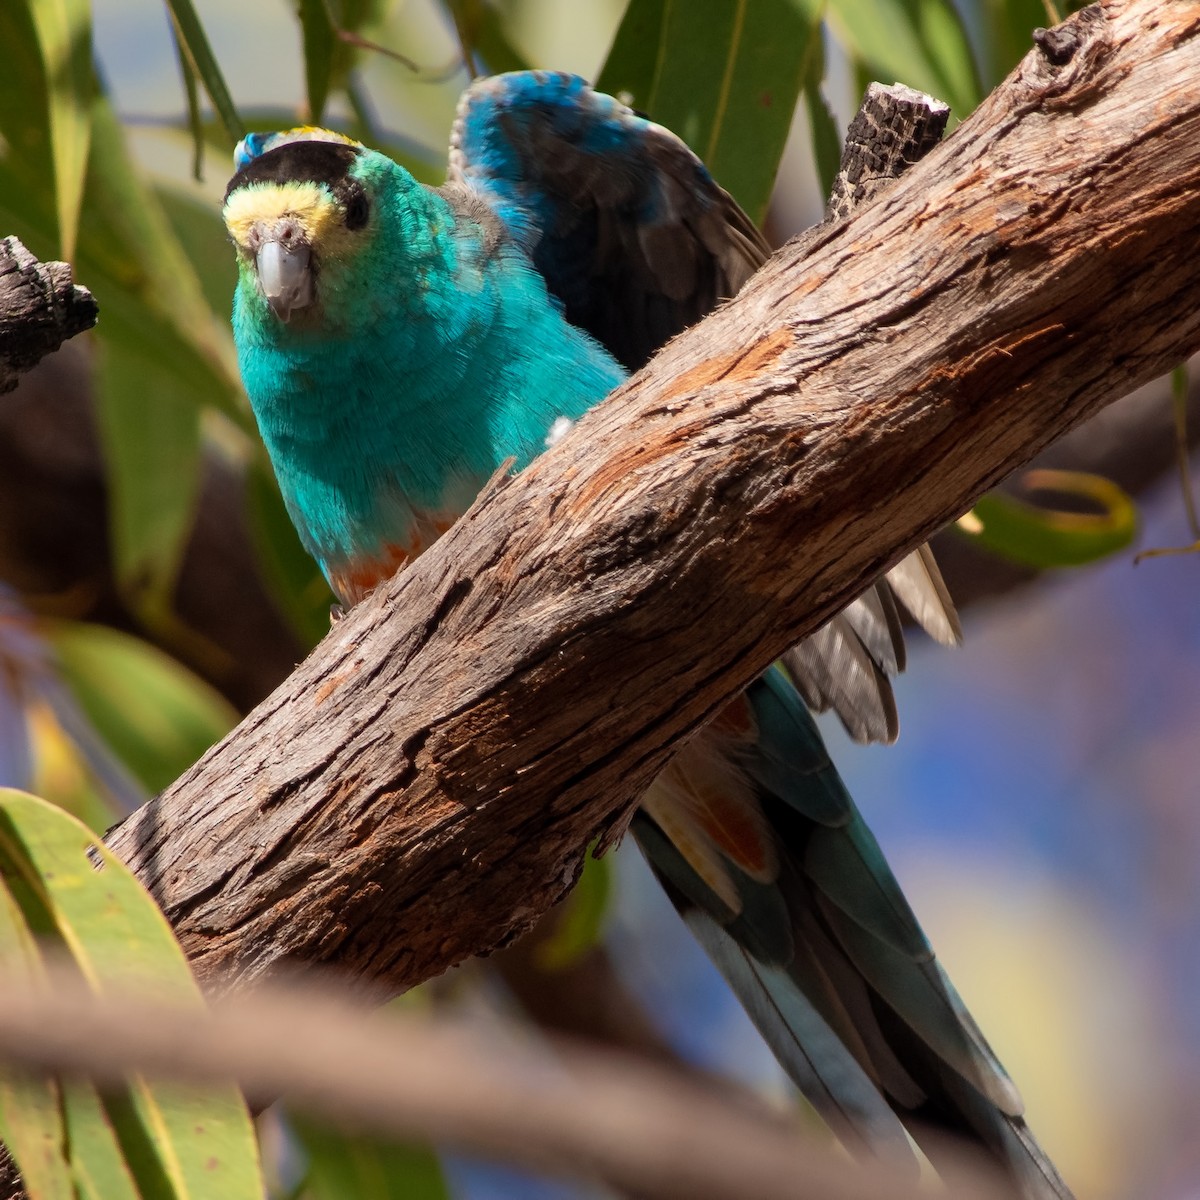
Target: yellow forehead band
<point>266,203</point>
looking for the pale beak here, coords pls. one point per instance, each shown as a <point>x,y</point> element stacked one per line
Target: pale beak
<point>285,276</point>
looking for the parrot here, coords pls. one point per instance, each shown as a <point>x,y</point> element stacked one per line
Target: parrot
<point>401,343</point>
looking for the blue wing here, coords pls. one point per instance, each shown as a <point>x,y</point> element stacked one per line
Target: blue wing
<point>624,222</point>
<point>637,241</point>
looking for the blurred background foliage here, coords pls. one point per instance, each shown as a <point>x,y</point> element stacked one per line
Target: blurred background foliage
<point>1039,805</point>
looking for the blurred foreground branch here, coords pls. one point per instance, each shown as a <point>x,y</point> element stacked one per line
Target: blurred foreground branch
<point>424,785</point>
<point>576,1113</point>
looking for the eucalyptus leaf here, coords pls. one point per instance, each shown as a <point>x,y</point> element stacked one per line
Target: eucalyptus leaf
<point>154,714</point>
<point>319,39</point>
<point>724,77</point>
<point>921,43</point>
<point>31,1120</point>
<point>151,439</point>
<point>191,94</point>
<point>1007,34</point>
<point>481,33</point>
<point>64,34</point>
<point>174,1142</point>
<point>195,45</point>
<point>1044,537</point>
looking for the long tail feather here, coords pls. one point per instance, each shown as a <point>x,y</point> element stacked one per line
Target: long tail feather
<point>826,956</point>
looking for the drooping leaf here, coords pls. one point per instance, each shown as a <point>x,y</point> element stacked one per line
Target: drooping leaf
<point>24,114</point>
<point>482,36</point>
<point>319,37</point>
<point>165,356</point>
<point>153,297</point>
<point>64,34</point>
<point>631,68</point>
<point>151,439</point>
<point>724,76</point>
<point>341,1165</point>
<point>826,144</point>
<point>195,44</point>
<point>31,1126</point>
<point>97,1161</point>
<point>1045,537</point>
<point>62,884</point>
<point>191,94</point>
<point>200,232</point>
<point>157,716</point>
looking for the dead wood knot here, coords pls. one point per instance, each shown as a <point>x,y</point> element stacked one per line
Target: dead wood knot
<point>1058,44</point>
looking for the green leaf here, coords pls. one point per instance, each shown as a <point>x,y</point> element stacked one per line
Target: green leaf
<point>192,94</point>
<point>1006,35</point>
<point>156,299</point>
<point>201,235</point>
<point>580,918</point>
<point>31,1126</point>
<point>156,716</point>
<point>342,1165</point>
<point>97,1160</point>
<point>151,439</point>
<point>725,78</point>
<point>319,39</point>
<point>826,144</point>
<point>481,33</point>
<point>632,65</point>
<point>921,43</point>
<point>823,131</point>
<point>64,33</point>
<point>194,42</point>
<point>24,113</point>
<point>1044,537</point>
<point>70,890</point>
<point>165,355</point>
<point>31,1123</point>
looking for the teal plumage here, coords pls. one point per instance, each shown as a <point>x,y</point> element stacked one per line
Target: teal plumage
<point>469,361</point>
<point>400,343</point>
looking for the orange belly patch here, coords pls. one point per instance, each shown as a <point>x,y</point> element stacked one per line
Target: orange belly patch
<point>357,578</point>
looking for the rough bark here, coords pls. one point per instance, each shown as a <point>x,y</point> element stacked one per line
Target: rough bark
<point>425,783</point>
<point>40,308</point>
<point>894,128</point>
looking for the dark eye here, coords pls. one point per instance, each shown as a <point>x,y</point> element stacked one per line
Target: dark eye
<point>357,209</point>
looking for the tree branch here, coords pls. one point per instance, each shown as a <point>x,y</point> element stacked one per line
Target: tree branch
<point>576,1113</point>
<point>425,783</point>
<point>40,307</point>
